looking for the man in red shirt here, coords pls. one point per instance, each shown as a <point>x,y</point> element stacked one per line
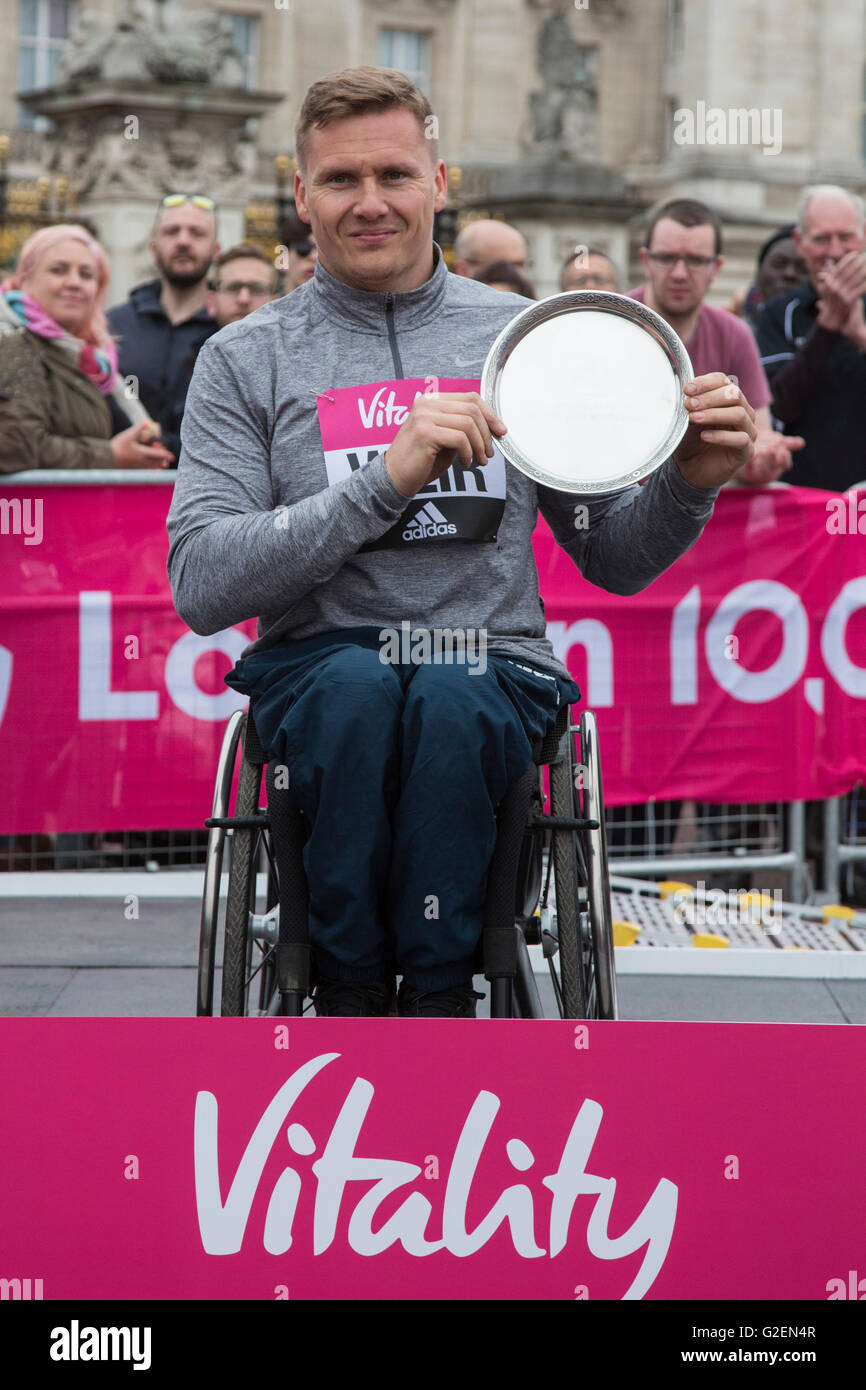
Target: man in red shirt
<point>682,258</point>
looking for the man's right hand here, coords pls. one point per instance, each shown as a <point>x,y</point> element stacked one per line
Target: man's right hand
<point>441,427</point>
<point>129,452</point>
<point>840,288</point>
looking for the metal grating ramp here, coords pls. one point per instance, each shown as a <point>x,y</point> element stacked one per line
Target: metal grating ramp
<point>655,917</point>
<point>746,934</point>
<point>798,934</point>
<point>788,927</point>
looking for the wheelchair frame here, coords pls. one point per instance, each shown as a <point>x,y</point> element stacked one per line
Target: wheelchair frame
<point>265,946</point>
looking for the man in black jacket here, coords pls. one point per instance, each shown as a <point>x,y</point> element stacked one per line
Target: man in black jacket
<point>813,344</point>
<point>164,323</point>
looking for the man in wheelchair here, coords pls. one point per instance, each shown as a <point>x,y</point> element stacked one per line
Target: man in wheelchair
<point>361,531</point>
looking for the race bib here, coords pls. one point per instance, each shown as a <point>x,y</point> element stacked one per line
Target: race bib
<point>359,422</point>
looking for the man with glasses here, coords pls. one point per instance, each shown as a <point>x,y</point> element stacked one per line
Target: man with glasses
<point>164,322</point>
<point>244,278</point>
<point>813,342</point>
<point>682,258</point>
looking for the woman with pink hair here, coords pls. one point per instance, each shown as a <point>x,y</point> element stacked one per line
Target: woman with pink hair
<point>58,363</point>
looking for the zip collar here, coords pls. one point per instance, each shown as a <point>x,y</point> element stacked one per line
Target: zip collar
<point>371,310</point>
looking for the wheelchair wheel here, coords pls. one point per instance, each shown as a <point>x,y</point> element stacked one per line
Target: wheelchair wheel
<point>567,884</point>
<point>602,985</point>
<point>248,935</point>
<point>579,858</point>
<point>214,862</point>
<point>240,898</point>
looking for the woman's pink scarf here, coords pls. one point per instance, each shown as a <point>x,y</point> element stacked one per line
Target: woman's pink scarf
<point>99,364</point>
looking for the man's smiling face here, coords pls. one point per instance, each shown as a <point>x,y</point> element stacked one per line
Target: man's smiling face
<point>370,187</point>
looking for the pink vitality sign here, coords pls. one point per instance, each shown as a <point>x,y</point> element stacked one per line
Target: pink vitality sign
<point>312,1159</point>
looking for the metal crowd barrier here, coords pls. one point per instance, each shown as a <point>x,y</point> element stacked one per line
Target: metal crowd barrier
<point>54,477</point>
<point>844,827</point>
<point>744,841</point>
<point>666,839</point>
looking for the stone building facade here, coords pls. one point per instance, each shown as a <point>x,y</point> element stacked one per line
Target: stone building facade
<point>567,117</point>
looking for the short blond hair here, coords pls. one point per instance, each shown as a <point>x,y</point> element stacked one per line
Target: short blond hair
<point>354,92</point>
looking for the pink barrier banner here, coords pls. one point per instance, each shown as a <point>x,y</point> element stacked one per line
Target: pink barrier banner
<point>311,1159</point>
<point>114,711</point>
<point>739,675</point>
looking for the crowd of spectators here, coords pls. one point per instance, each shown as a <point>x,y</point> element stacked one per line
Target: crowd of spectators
<point>83,386</point>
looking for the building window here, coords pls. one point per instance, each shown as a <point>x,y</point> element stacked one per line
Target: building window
<point>43,28</point>
<point>245,38</point>
<point>408,51</point>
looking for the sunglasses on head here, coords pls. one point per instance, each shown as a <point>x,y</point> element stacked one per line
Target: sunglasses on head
<point>302,248</point>
<point>198,200</point>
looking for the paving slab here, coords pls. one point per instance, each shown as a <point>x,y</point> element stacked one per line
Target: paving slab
<point>148,993</point>
<point>28,991</point>
<point>722,1000</point>
<point>97,931</point>
<point>850,998</point>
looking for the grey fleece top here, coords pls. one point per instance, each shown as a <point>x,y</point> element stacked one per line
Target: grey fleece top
<point>260,526</point>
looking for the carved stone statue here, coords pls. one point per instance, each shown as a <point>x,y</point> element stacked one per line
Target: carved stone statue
<point>563,113</point>
<point>158,42</point>
<point>89,38</point>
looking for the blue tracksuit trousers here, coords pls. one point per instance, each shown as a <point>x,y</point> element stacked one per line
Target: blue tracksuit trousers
<point>399,769</point>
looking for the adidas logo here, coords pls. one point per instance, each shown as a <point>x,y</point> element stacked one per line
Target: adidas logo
<point>428,522</point>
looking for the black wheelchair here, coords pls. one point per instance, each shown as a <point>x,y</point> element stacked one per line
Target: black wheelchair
<point>547,886</point>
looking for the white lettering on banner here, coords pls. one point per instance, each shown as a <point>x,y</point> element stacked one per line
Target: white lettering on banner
<point>222,1225</point>
<point>339,1165</point>
<point>756,687</point>
<point>595,638</point>
<point>180,674</point>
<point>851,597</point>
<point>684,649</point>
<point>6,661</point>
<point>96,699</point>
<point>514,1206</point>
<point>653,1227</point>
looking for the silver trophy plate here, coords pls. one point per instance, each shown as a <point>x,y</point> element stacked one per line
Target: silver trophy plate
<point>590,387</point>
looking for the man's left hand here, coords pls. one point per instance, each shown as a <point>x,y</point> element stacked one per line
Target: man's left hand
<point>720,438</point>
